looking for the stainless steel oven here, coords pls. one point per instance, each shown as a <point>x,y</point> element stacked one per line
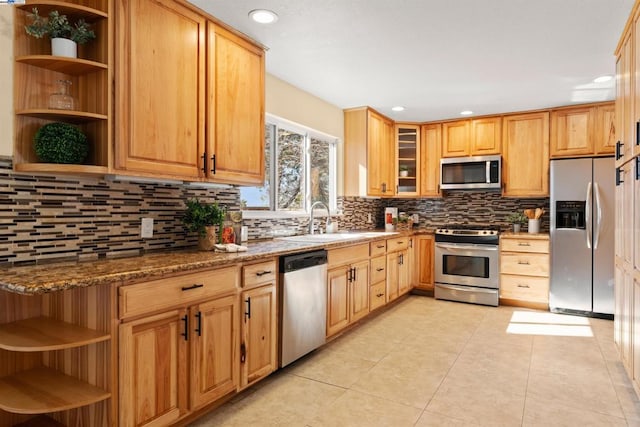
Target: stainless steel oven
<point>466,265</point>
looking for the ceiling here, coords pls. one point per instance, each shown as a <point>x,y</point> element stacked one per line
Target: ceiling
<point>438,57</point>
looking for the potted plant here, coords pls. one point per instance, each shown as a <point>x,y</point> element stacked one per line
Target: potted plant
<point>64,36</point>
<point>404,170</point>
<point>59,142</point>
<point>517,219</point>
<point>206,219</point>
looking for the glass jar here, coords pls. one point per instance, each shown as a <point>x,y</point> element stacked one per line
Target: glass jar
<point>61,99</point>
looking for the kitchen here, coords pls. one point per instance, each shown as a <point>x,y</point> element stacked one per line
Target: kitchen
<point>119,201</point>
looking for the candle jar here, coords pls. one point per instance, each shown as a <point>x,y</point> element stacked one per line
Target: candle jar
<point>61,99</point>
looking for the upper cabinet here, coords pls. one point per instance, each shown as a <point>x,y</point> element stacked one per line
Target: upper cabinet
<point>369,156</point>
<point>526,155</point>
<point>37,73</point>
<point>160,108</point>
<point>583,131</point>
<point>235,109</point>
<point>430,153</point>
<point>408,159</point>
<point>476,137</point>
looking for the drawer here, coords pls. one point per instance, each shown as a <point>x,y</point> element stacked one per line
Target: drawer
<point>525,288</point>
<point>525,245</point>
<point>176,291</point>
<point>348,255</point>
<point>378,269</point>
<point>258,274</point>
<point>526,264</point>
<point>397,244</point>
<point>378,248</point>
<point>377,295</point>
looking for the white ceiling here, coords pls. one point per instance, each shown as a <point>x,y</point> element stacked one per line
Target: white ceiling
<point>438,57</point>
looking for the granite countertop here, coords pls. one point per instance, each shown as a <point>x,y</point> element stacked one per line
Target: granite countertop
<point>52,277</point>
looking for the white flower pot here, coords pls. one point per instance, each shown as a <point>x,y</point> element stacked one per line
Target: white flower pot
<point>64,47</point>
<point>404,173</point>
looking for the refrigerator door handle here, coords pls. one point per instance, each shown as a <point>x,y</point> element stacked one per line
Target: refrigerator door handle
<point>598,216</point>
<point>588,215</point>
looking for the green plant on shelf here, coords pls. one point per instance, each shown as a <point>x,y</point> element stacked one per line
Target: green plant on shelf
<point>58,26</point>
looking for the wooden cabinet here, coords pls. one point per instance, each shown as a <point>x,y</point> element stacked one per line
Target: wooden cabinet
<point>430,153</point>
<point>378,280</point>
<point>398,274</point>
<point>407,159</point>
<point>189,121</point>
<point>626,98</point>
<point>258,348</point>
<point>455,138</point>
<point>583,131</point>
<point>524,269</point>
<point>369,153</point>
<point>160,127</point>
<point>347,286</point>
<point>424,262</point>
<point>180,353</point>
<point>478,137</point>
<point>525,145</point>
<point>57,342</point>
<point>235,109</point>
<point>36,73</point>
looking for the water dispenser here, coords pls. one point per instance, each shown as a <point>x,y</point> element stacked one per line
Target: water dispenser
<point>570,214</point>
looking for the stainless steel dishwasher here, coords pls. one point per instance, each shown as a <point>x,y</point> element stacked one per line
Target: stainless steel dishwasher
<point>303,279</point>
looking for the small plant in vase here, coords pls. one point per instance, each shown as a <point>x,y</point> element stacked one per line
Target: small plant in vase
<point>206,220</point>
<point>516,219</point>
<point>64,35</point>
<point>404,170</point>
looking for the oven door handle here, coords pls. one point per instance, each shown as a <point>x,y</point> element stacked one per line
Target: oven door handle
<point>466,247</point>
<point>467,289</point>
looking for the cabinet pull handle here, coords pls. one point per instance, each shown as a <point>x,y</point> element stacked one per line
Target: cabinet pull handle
<point>185,334</point>
<point>199,324</point>
<point>638,132</point>
<point>243,353</point>
<point>380,246</point>
<point>638,168</point>
<point>384,187</point>
<point>262,273</point>
<point>213,164</point>
<point>523,286</point>
<point>523,244</point>
<point>618,150</point>
<point>194,286</point>
<point>355,274</point>
<point>379,269</point>
<point>204,161</point>
<point>619,179</point>
<point>379,295</point>
<point>400,242</point>
<point>523,262</point>
<point>247,313</point>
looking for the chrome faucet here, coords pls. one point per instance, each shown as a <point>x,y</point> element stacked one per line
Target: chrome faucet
<point>311,229</point>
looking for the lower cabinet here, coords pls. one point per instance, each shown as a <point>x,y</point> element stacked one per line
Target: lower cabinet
<point>378,280</point>
<point>423,263</point>
<point>174,360</point>
<point>524,269</point>
<point>397,274</point>
<point>258,347</point>
<point>347,295</point>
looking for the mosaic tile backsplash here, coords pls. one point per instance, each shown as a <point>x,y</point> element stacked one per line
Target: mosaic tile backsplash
<point>45,217</point>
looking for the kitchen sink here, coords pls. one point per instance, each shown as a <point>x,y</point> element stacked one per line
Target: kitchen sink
<point>334,237</point>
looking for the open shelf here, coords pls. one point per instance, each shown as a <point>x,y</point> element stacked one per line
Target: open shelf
<point>61,168</point>
<point>43,390</point>
<point>60,64</point>
<point>73,11</point>
<point>66,115</point>
<point>44,334</point>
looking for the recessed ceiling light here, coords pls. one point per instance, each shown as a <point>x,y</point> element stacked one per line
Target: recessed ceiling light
<point>398,108</point>
<point>466,113</point>
<point>263,16</point>
<point>602,79</point>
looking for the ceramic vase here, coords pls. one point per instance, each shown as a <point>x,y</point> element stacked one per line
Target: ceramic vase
<point>64,47</point>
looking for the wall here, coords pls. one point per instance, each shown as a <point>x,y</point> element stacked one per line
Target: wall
<point>6,80</point>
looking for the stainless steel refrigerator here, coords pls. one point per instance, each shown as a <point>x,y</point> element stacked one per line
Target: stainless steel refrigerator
<point>582,236</point>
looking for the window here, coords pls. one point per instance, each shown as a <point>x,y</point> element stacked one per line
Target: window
<point>300,169</point>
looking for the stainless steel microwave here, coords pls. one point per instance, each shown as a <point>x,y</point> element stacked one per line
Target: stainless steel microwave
<point>471,173</point>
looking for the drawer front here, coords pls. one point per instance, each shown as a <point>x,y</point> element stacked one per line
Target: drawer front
<point>378,269</point>
<point>526,288</point>
<point>526,264</point>
<point>176,291</point>
<point>525,245</point>
<point>378,248</point>
<point>348,255</point>
<point>377,295</point>
<point>258,274</point>
<point>397,244</point>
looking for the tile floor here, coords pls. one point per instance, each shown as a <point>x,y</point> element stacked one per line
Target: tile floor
<point>435,363</point>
